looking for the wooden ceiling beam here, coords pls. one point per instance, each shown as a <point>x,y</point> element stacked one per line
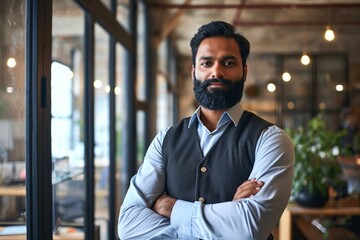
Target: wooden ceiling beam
<point>254,6</point>
<point>171,24</point>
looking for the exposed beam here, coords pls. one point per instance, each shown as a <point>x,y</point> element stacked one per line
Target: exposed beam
<point>293,23</point>
<point>107,20</point>
<point>171,24</point>
<point>254,6</point>
<point>239,11</point>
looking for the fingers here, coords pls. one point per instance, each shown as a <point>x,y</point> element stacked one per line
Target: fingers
<point>163,205</point>
<point>248,188</point>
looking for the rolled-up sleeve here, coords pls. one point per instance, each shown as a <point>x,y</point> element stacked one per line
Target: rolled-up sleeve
<point>136,219</point>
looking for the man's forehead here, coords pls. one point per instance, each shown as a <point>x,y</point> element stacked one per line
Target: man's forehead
<point>218,46</point>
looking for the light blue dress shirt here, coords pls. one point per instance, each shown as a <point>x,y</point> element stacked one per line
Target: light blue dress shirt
<point>245,219</point>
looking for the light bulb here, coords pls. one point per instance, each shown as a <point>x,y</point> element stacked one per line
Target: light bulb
<point>291,105</point>
<point>11,62</point>
<point>286,76</point>
<point>117,90</point>
<point>9,89</point>
<point>107,88</point>
<point>329,34</point>
<point>271,87</point>
<point>339,87</point>
<point>305,59</point>
<point>97,83</point>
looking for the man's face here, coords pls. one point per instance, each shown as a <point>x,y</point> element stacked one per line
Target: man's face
<point>219,74</point>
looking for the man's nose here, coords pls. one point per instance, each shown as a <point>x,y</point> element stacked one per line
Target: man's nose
<point>217,71</point>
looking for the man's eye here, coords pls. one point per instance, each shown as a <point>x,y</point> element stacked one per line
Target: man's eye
<point>229,63</point>
<point>206,64</point>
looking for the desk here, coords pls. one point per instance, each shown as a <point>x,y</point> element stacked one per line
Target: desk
<point>349,206</point>
<point>63,235</point>
<point>73,236</point>
<point>20,191</point>
<point>15,191</point>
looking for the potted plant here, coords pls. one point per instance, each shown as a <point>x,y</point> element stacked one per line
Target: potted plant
<point>316,167</point>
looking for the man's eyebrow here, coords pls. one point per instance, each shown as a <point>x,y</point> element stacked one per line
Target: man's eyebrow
<point>206,58</point>
<point>228,57</point>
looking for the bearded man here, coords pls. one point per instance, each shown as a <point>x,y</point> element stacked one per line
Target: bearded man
<point>223,173</point>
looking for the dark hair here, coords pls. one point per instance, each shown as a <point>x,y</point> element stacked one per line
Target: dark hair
<point>222,29</point>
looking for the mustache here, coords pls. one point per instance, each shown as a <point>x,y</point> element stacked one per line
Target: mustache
<point>208,82</point>
<point>218,98</point>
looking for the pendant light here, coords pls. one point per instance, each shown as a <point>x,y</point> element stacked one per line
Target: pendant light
<point>305,59</point>
<point>329,33</point>
<point>286,77</point>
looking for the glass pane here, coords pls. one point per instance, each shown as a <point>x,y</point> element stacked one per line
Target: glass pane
<point>257,98</point>
<point>106,3</point>
<point>164,108</point>
<point>297,105</point>
<point>331,96</point>
<point>102,89</point>
<point>141,56</point>
<point>67,122</point>
<point>140,139</point>
<point>164,104</point>
<point>120,117</point>
<point>122,13</point>
<point>12,112</point>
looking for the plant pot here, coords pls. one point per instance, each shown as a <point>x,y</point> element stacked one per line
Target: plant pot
<point>311,199</point>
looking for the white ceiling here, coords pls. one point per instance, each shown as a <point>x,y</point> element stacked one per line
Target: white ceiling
<point>272,26</point>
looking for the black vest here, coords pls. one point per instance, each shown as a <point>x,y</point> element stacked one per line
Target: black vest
<point>215,177</point>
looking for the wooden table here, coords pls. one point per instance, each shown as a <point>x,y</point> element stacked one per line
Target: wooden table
<point>20,191</point>
<point>63,235</point>
<point>349,206</point>
<point>72,236</point>
<point>15,191</point>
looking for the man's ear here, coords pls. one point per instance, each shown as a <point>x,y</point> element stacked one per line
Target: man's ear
<point>193,71</point>
<point>245,72</point>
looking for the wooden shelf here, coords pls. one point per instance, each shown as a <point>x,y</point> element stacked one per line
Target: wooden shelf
<point>296,214</point>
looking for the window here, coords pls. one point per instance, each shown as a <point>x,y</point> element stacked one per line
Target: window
<point>67,115</point>
<point>12,112</point>
<point>55,123</point>
<point>314,88</point>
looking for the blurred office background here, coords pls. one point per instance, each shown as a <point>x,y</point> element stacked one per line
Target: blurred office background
<point>86,84</point>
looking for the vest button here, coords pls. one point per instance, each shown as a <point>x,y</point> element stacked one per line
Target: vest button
<point>203,169</point>
<point>201,199</point>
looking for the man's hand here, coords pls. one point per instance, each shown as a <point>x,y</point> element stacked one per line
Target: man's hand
<point>164,205</point>
<point>248,188</point>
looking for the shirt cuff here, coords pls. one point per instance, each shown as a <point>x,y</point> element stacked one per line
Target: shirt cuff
<point>182,215</point>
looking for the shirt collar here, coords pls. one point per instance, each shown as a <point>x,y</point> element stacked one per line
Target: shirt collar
<point>234,113</point>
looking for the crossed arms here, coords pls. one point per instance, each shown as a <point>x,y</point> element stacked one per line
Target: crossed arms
<point>147,214</point>
<point>164,203</point>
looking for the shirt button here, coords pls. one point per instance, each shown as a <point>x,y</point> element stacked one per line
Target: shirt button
<point>201,199</point>
<point>203,169</point>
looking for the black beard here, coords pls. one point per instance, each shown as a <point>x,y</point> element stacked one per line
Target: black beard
<point>218,98</point>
